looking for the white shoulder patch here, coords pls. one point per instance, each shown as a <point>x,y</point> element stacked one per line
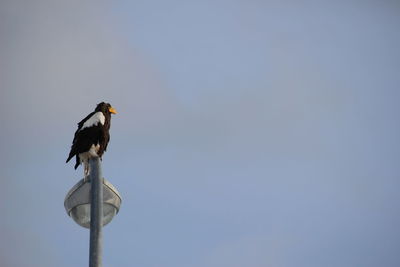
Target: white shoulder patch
<point>94,120</point>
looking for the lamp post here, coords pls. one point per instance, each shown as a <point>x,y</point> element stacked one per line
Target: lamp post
<point>92,203</point>
<point>96,213</point>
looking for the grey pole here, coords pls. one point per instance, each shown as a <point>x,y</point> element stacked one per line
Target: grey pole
<point>96,213</point>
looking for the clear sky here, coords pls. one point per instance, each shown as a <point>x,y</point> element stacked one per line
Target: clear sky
<point>249,133</point>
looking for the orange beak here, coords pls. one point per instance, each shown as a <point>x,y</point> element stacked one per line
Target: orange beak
<point>112,110</point>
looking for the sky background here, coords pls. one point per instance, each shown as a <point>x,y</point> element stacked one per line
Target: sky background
<point>249,133</point>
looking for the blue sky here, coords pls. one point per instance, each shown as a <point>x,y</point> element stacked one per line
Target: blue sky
<point>249,133</point>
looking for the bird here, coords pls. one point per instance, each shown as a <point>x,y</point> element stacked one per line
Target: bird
<point>92,136</point>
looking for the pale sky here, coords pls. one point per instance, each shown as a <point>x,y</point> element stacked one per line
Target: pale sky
<point>248,134</point>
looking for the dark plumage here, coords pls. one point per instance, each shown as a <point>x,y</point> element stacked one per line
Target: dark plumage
<point>92,137</point>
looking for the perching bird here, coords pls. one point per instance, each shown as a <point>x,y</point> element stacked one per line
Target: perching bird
<point>91,138</point>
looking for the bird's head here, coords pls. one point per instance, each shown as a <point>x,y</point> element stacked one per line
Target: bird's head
<point>106,108</point>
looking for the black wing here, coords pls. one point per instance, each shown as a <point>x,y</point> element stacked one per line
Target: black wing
<point>84,139</point>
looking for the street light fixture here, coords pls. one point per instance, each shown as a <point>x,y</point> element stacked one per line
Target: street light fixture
<point>77,202</point>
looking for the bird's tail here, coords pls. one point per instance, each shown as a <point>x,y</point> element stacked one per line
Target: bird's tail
<point>71,154</point>
<point>77,161</point>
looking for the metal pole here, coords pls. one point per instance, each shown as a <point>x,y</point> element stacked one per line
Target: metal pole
<point>96,213</point>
